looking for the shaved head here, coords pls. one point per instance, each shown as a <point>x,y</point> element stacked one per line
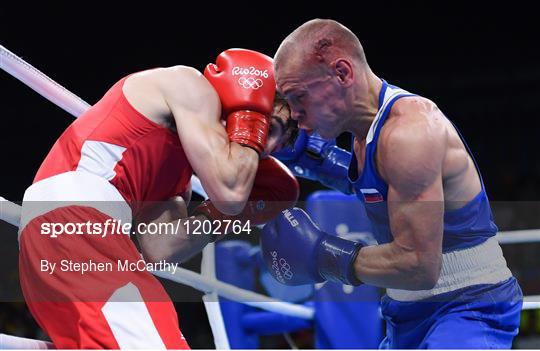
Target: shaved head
<point>317,43</point>
<point>322,72</point>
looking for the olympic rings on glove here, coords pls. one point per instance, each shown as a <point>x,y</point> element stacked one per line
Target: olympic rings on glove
<point>250,83</point>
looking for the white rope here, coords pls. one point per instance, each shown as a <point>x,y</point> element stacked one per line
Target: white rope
<point>10,212</point>
<point>10,342</point>
<point>519,236</point>
<point>531,302</point>
<point>211,302</point>
<point>41,83</point>
<point>234,293</point>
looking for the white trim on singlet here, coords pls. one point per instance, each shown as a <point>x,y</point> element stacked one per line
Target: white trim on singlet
<point>389,95</point>
<point>480,264</point>
<point>130,321</point>
<point>73,189</point>
<point>100,158</point>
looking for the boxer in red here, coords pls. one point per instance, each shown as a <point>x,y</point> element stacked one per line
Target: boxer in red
<point>141,143</point>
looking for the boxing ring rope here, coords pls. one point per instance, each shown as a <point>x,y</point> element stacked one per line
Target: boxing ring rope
<point>519,236</point>
<point>60,96</point>
<point>41,83</point>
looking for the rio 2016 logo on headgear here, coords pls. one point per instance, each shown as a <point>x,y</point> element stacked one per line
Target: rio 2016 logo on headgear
<point>255,82</point>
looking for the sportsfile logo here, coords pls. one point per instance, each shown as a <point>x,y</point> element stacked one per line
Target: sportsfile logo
<point>254,82</point>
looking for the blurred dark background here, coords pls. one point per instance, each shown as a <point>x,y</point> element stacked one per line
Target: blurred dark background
<point>480,63</point>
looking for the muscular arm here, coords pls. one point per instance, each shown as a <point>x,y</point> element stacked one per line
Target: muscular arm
<point>410,154</point>
<point>226,169</point>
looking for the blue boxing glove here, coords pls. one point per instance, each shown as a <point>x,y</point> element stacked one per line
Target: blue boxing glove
<point>315,158</point>
<point>296,252</point>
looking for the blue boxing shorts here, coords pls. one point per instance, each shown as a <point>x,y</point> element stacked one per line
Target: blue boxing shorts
<point>476,317</point>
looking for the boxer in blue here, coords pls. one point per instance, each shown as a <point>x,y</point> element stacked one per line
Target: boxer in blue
<point>448,285</point>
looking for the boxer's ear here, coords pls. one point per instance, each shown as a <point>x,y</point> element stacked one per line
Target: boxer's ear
<point>344,71</point>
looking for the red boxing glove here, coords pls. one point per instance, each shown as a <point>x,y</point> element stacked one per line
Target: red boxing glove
<point>275,189</point>
<point>244,81</point>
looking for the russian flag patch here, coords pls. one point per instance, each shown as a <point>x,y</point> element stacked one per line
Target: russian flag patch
<point>372,195</point>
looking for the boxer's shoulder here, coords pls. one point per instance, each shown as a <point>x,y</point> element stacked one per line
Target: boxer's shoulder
<point>175,92</point>
<point>142,91</point>
<point>180,73</point>
<point>171,91</point>
<point>171,79</point>
<point>161,73</point>
<point>188,87</point>
<point>414,117</point>
<point>412,142</point>
<point>413,107</point>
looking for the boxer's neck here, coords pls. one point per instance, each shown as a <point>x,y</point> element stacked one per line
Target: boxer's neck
<point>365,104</point>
